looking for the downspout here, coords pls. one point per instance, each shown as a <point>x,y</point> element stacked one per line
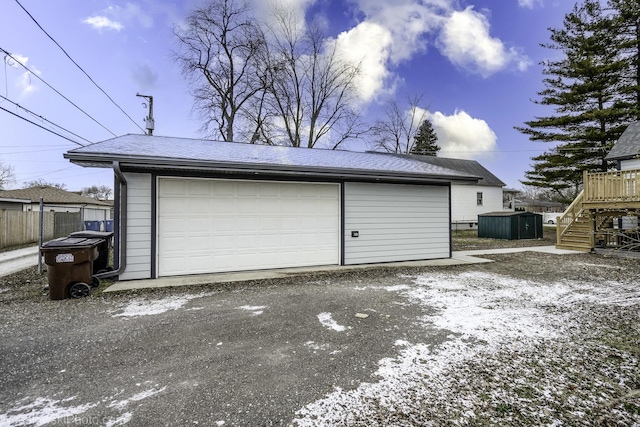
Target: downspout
<point>120,226</point>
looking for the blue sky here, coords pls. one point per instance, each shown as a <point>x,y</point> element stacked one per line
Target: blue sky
<point>475,63</point>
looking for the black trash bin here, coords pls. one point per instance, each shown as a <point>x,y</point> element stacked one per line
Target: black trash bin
<point>69,266</point>
<point>101,264</point>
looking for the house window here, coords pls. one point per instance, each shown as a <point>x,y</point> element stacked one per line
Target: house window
<point>479,198</point>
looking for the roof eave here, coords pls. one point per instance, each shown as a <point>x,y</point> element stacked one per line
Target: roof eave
<point>157,163</point>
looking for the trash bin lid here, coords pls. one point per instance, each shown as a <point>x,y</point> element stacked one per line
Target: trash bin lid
<point>71,242</point>
<point>92,234</point>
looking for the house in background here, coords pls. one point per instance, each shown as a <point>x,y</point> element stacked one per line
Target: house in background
<point>12,204</point>
<point>189,206</point>
<point>606,197</point>
<point>57,200</point>
<point>470,199</point>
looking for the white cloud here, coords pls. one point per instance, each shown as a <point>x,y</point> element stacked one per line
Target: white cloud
<point>465,40</point>
<point>408,21</point>
<point>102,22</point>
<point>114,17</point>
<point>462,136</point>
<point>15,60</point>
<point>368,44</point>
<point>131,13</point>
<point>24,83</point>
<point>529,3</point>
<point>295,8</point>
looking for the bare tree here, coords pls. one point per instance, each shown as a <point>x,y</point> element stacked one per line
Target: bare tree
<point>220,48</point>
<point>396,131</point>
<point>98,192</point>
<point>40,182</point>
<point>7,176</point>
<point>311,87</point>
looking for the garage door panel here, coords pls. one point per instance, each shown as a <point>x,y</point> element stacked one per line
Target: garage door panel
<point>396,222</point>
<point>223,225</point>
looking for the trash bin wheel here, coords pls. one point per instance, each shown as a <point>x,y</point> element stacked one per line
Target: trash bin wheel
<point>95,282</point>
<point>79,290</point>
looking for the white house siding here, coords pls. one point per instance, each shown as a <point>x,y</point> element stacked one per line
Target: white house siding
<point>138,240</point>
<point>630,164</point>
<point>464,207</point>
<point>395,222</point>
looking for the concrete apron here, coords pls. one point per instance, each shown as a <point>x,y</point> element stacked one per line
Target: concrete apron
<point>243,276</point>
<point>458,258</point>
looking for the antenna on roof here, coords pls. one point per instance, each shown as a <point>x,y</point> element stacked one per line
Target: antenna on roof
<point>149,118</point>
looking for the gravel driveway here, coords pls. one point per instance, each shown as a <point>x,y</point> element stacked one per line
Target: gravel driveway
<point>531,339</point>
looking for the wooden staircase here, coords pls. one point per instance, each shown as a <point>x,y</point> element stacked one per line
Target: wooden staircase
<point>605,195</point>
<point>575,228</point>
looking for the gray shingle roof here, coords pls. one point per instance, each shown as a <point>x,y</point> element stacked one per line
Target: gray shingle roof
<point>51,195</point>
<point>141,151</point>
<point>469,167</point>
<point>628,146</point>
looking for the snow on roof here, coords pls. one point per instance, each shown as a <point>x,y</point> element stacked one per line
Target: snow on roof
<point>168,152</point>
<point>628,146</point>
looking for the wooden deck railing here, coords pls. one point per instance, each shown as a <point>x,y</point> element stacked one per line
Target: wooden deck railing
<point>609,187</point>
<point>569,216</point>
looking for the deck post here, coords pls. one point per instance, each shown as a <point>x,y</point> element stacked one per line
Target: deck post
<point>585,185</point>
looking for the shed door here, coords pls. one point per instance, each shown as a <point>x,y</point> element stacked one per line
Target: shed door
<point>527,227</point>
<point>395,222</point>
<point>207,225</point>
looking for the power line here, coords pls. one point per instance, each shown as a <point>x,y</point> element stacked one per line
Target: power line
<point>42,118</point>
<point>79,67</point>
<point>56,91</point>
<point>42,127</point>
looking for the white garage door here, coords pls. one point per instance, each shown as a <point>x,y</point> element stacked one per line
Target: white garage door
<point>207,225</point>
<point>393,222</point>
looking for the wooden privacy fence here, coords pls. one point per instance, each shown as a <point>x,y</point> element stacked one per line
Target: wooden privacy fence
<point>20,228</point>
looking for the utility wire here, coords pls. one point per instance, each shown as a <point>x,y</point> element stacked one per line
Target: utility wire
<point>79,67</point>
<point>42,118</point>
<point>40,126</point>
<point>56,91</point>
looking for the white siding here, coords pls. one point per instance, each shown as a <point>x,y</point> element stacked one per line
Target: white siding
<point>395,222</point>
<point>464,205</point>
<point>213,225</point>
<point>138,227</point>
<point>629,164</point>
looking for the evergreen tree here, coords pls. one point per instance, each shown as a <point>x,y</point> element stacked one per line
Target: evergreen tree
<point>585,86</point>
<point>425,141</point>
<point>625,22</point>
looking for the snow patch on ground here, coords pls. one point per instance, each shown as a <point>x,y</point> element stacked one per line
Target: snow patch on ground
<point>255,309</point>
<point>489,316</point>
<point>121,404</point>
<point>145,307</point>
<point>315,346</point>
<point>42,411</point>
<point>327,321</point>
<point>119,421</point>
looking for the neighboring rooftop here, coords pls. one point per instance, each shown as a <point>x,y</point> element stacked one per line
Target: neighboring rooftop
<point>628,146</point>
<point>50,195</point>
<point>469,167</point>
<point>155,152</point>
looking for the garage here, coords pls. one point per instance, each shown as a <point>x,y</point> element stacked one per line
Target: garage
<point>192,206</point>
<point>212,225</point>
